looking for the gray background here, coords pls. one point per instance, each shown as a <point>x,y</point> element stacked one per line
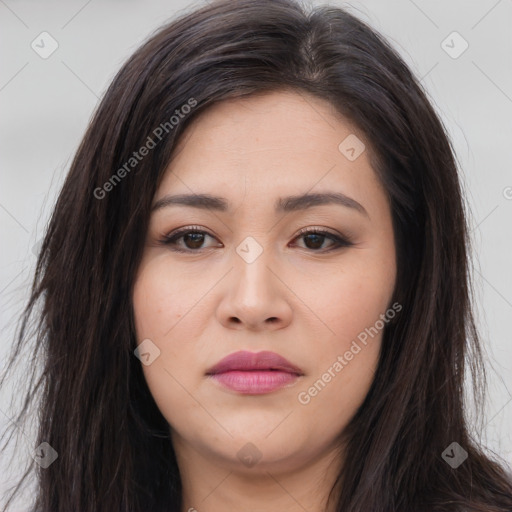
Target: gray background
<point>47,103</point>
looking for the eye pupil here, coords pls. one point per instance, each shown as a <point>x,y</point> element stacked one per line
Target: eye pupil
<point>317,240</point>
<point>197,240</point>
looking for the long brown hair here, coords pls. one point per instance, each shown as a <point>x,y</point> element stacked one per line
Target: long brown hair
<point>95,409</point>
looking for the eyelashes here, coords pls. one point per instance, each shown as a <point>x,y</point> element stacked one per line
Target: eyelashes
<point>196,236</point>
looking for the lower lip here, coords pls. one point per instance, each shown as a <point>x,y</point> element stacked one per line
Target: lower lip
<point>255,382</point>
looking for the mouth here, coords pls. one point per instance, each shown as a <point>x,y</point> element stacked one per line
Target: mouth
<point>251,361</point>
<point>254,373</point>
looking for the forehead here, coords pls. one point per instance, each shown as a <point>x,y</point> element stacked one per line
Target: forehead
<point>269,145</point>
<point>270,121</point>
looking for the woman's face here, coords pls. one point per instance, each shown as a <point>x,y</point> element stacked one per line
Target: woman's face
<point>251,281</point>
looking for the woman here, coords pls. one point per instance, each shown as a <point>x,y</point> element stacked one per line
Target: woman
<point>254,285</point>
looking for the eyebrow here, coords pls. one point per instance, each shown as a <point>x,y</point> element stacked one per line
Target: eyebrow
<point>282,205</point>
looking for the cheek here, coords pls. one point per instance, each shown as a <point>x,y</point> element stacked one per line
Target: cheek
<point>161,298</point>
<point>351,299</point>
<point>355,305</point>
<point>334,395</point>
<point>345,363</point>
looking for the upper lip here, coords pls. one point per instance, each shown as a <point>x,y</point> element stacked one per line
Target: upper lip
<point>246,361</point>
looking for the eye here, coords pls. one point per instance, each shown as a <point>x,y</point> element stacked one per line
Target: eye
<point>192,236</point>
<point>316,237</point>
<point>192,239</point>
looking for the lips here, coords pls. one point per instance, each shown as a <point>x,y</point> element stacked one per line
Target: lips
<point>250,361</point>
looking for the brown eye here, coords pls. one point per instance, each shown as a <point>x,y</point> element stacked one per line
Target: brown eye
<point>314,239</point>
<point>192,240</point>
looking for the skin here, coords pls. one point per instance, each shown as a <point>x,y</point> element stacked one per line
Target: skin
<point>297,299</point>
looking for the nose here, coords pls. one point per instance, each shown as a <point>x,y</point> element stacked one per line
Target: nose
<point>255,297</point>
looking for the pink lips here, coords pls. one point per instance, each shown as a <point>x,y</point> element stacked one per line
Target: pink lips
<point>254,373</point>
